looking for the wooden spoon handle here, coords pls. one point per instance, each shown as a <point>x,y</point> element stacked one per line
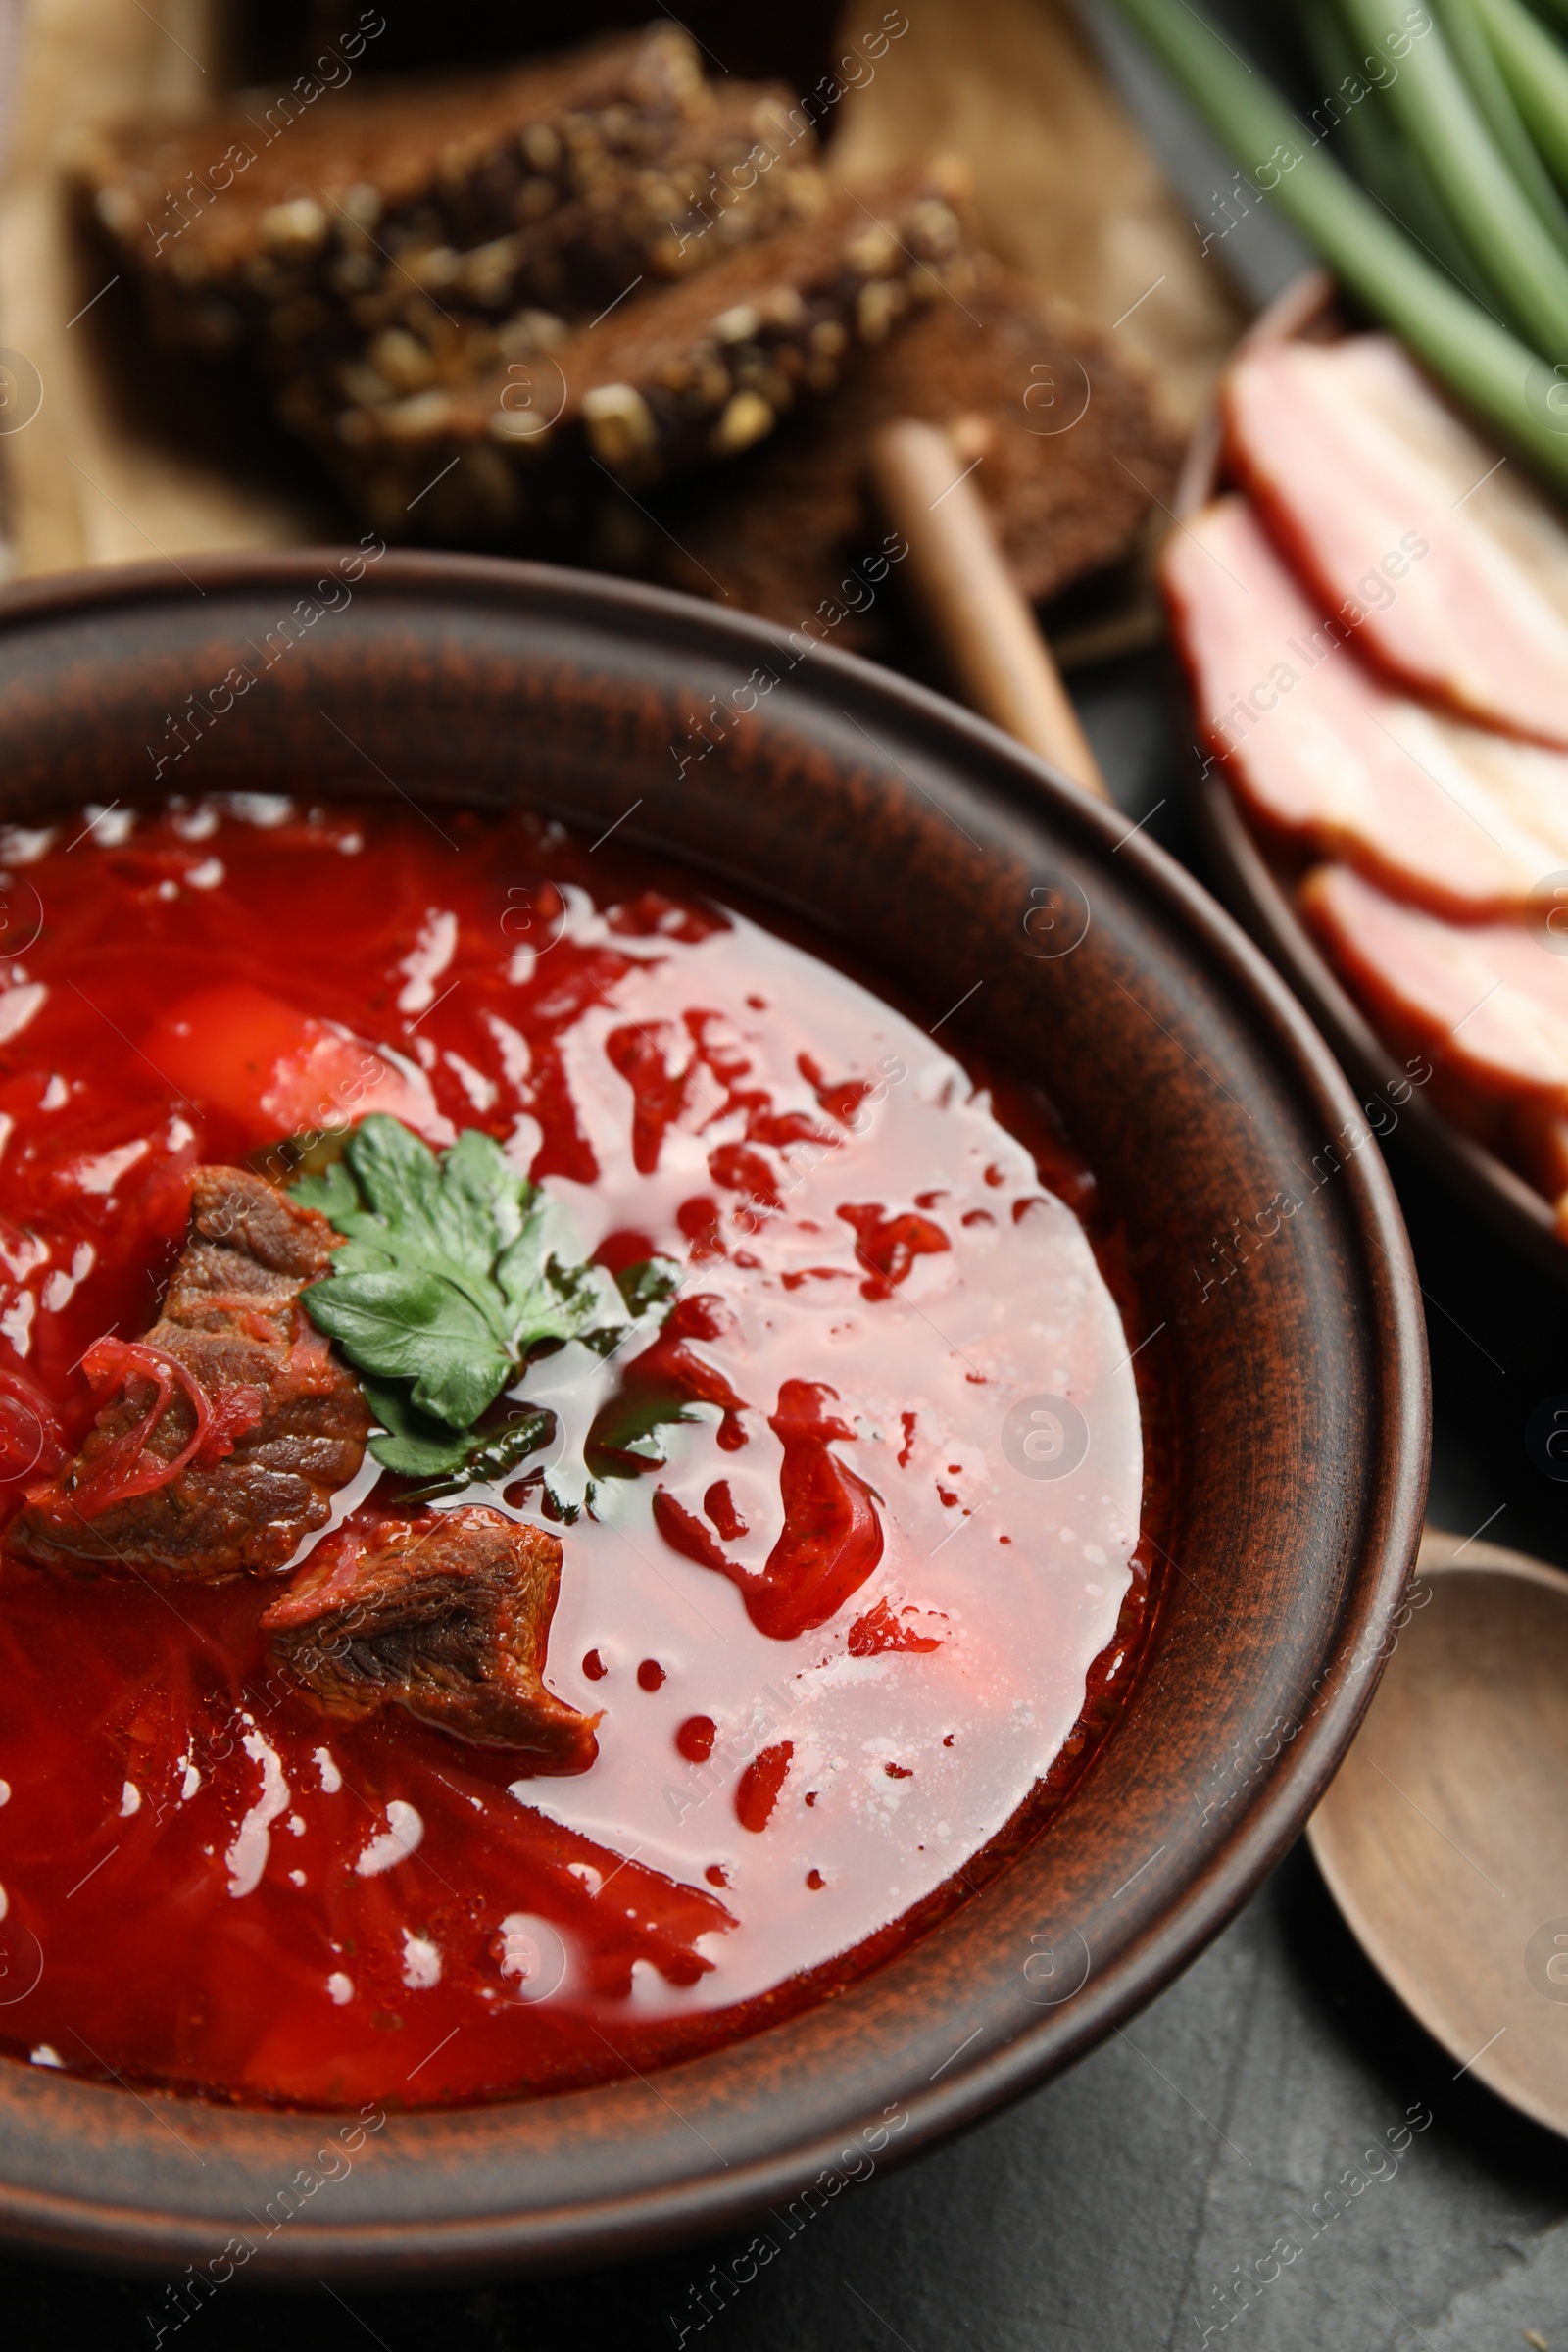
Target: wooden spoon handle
<point>999,659</point>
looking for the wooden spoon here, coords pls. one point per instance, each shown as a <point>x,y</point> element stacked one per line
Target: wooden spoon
<point>981,624</point>
<point>1445,1839</point>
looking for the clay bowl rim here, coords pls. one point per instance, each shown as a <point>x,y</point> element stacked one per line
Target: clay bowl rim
<point>130,2233</point>
<point>1257,892</point>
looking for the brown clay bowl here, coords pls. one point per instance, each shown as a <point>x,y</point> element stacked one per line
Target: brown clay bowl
<point>1259,889</point>
<point>922,842</point>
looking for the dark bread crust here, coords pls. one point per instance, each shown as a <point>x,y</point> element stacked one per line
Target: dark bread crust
<point>780,536</point>
<point>672,383</point>
<point>447,1616</point>
<point>231,1318</point>
<point>450,201</point>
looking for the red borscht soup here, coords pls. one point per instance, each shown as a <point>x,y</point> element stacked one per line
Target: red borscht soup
<point>571,1478</point>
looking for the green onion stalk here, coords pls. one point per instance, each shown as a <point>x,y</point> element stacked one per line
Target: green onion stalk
<point>1511,384</point>
<point>1535,70</point>
<point>1433,105</point>
<point>1477,56</point>
<point>1553,8</point>
<point>1387,168</point>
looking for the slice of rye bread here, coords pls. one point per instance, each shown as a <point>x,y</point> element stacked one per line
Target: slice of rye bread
<point>294,215</point>
<point>1073,454</point>
<point>667,383</point>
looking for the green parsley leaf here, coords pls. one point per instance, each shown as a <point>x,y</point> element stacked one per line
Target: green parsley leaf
<point>331,1193</point>
<point>410,1442</point>
<point>416,1327</point>
<point>443,1280</point>
<point>651,1282</point>
<point>445,1283</point>
<point>624,1438</point>
<point>416,1446</point>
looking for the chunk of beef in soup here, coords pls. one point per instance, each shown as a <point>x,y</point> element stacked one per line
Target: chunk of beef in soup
<point>229,1427</point>
<point>446,1615</point>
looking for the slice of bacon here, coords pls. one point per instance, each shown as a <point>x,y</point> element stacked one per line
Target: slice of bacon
<point>1488,1001</point>
<point>1436,547</point>
<point>1321,749</point>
